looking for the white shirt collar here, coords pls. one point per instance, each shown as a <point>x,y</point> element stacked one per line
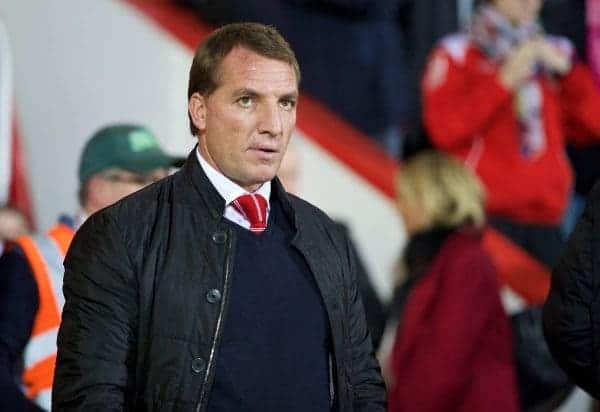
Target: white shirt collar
<point>228,189</point>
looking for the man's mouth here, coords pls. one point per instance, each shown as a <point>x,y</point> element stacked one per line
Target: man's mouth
<point>264,149</point>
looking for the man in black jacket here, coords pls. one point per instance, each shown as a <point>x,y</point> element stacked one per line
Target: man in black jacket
<point>215,290</point>
<point>572,310</point>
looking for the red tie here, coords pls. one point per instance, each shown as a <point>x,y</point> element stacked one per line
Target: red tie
<point>254,208</point>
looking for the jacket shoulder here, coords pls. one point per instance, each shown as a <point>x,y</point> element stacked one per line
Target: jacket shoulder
<point>307,212</point>
<point>132,217</point>
<point>329,235</point>
<point>142,203</point>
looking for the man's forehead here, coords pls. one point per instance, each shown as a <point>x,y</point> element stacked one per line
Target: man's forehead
<point>242,65</point>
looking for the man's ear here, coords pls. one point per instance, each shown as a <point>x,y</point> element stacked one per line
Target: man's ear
<point>197,110</point>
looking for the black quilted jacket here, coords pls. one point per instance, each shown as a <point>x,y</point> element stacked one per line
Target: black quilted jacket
<point>572,310</point>
<point>142,321</point>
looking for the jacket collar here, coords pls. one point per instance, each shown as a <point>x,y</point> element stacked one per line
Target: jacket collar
<point>202,188</point>
<point>279,194</point>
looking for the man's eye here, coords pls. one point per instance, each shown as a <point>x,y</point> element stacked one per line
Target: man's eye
<point>245,101</point>
<point>288,104</point>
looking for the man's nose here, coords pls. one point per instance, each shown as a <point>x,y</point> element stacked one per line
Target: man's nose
<point>270,120</point>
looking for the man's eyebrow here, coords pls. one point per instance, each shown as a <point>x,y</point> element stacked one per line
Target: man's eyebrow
<point>290,96</point>
<point>245,92</point>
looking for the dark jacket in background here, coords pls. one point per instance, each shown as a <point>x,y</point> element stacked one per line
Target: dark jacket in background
<point>572,310</point>
<point>138,331</point>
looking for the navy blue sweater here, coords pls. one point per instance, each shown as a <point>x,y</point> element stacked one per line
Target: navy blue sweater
<point>274,352</point>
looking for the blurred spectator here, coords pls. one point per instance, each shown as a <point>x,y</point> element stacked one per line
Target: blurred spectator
<point>116,161</point>
<point>502,98</point>
<point>350,51</point>
<point>453,348</point>
<point>375,311</point>
<point>12,225</point>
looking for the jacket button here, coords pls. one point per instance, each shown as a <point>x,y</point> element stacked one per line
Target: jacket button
<point>198,365</point>
<point>213,296</point>
<point>219,237</point>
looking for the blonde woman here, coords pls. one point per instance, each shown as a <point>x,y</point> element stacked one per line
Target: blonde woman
<point>453,348</point>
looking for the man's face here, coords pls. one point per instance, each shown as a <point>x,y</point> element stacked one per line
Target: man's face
<point>519,12</point>
<point>110,186</point>
<point>246,123</point>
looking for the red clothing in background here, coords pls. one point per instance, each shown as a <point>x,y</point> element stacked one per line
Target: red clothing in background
<point>453,351</point>
<point>469,114</point>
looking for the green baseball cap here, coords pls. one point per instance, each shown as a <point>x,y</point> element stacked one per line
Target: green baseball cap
<point>123,146</point>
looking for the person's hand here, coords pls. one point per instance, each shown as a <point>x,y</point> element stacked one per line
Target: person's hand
<point>520,64</point>
<point>553,58</point>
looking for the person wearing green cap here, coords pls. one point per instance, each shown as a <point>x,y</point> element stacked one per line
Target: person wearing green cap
<point>116,161</point>
<point>215,289</point>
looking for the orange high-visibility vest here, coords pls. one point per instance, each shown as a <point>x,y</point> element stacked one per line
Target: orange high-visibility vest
<point>45,254</point>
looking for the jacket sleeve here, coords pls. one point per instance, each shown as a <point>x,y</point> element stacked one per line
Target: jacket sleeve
<point>580,103</point>
<point>96,339</point>
<point>366,381</point>
<point>571,315</point>
<point>459,102</point>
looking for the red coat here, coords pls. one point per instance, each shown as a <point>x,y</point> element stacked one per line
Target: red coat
<point>469,113</point>
<point>453,351</point>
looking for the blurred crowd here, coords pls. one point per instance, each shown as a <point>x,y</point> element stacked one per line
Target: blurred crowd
<point>482,108</point>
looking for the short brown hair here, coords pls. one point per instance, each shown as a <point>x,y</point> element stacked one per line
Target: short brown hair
<point>259,38</point>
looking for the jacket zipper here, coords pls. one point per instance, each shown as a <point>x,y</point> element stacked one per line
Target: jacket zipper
<point>211,358</point>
